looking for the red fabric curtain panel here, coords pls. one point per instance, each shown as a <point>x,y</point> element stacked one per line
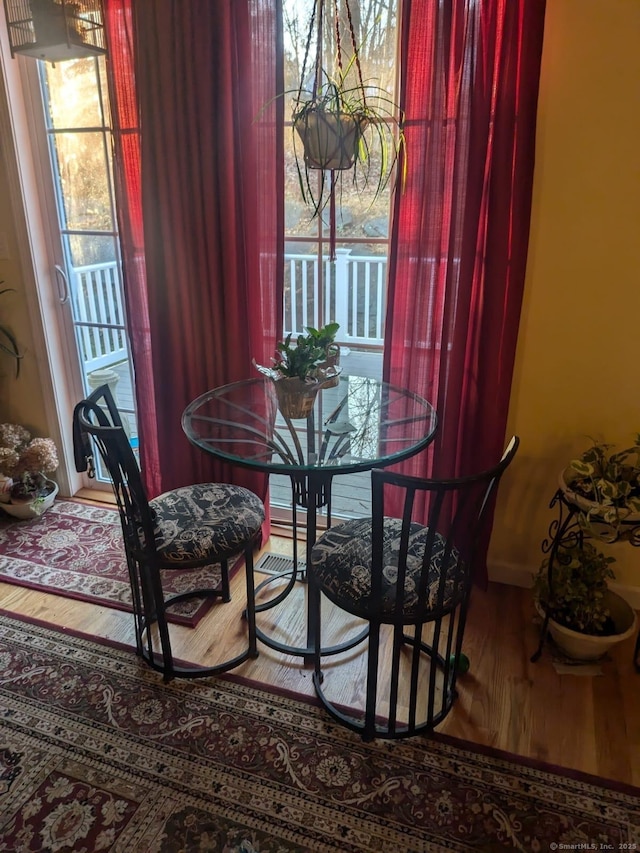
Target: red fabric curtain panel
<point>461,225</point>
<point>126,132</point>
<point>200,187</point>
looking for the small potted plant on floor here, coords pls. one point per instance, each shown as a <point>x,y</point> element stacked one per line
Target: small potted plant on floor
<point>586,618</point>
<point>604,486</point>
<point>25,463</point>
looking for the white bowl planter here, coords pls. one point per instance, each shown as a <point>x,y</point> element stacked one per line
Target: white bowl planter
<point>587,647</point>
<point>32,509</point>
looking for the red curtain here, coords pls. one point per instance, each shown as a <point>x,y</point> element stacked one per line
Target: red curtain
<point>201,210</point>
<point>460,233</point>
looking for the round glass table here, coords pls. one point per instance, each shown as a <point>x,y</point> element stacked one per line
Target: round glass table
<point>359,424</point>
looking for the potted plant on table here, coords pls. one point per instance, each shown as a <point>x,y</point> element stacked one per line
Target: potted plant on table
<point>25,462</point>
<point>586,618</point>
<point>301,368</point>
<point>604,487</point>
<point>325,338</point>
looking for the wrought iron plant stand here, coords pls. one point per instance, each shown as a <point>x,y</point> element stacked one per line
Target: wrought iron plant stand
<point>565,532</point>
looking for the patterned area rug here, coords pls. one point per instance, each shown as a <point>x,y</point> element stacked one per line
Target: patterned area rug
<point>76,550</point>
<point>97,754</point>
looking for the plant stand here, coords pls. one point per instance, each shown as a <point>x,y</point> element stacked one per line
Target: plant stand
<point>565,531</point>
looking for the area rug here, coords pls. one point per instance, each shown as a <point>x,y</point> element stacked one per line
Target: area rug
<point>76,550</point>
<point>98,754</point>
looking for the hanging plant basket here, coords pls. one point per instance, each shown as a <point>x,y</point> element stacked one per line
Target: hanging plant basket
<point>342,122</point>
<point>329,141</point>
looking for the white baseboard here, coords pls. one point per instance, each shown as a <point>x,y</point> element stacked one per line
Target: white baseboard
<point>515,575</point>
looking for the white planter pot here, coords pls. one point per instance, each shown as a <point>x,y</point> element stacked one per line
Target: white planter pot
<point>32,509</point>
<point>586,647</point>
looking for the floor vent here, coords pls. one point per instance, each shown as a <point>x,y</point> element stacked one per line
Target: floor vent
<point>275,564</point>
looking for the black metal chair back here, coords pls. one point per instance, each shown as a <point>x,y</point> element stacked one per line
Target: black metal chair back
<point>98,420</point>
<point>415,579</point>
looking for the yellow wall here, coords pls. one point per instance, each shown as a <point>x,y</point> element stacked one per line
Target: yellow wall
<point>21,399</point>
<point>578,360</point>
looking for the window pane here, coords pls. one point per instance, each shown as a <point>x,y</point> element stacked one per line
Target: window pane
<point>84,182</point>
<point>88,249</point>
<point>73,95</point>
<point>374,25</point>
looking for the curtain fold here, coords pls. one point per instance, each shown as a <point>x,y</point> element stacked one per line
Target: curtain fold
<point>460,232</point>
<point>199,191</point>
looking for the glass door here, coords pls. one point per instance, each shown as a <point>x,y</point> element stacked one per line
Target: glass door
<point>350,290</point>
<point>76,120</point>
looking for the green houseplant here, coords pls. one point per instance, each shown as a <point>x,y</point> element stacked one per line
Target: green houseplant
<point>586,618</point>
<point>325,338</point>
<point>604,486</point>
<point>301,368</point>
<point>298,359</point>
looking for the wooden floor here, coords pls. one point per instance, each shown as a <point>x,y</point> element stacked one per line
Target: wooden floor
<point>588,723</point>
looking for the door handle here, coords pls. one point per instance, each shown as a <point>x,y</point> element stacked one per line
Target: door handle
<point>63,293</point>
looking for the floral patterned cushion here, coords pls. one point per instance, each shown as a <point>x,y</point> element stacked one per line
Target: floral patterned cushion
<point>208,519</point>
<point>341,563</point>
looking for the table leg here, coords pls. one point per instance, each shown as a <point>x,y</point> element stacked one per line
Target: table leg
<point>316,487</point>
<point>313,593</point>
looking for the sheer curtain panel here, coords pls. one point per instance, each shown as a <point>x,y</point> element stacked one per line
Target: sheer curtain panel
<point>460,233</point>
<point>199,189</point>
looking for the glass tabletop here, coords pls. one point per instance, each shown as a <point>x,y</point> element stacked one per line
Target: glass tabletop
<point>354,426</point>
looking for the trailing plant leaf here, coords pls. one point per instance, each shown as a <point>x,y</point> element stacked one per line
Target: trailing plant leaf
<point>325,336</point>
<point>579,582</point>
<point>611,481</point>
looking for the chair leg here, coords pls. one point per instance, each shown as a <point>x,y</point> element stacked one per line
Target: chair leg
<point>315,617</point>
<point>224,581</point>
<point>369,731</point>
<point>251,601</point>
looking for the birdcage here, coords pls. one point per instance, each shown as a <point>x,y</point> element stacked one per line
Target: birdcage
<point>55,30</point>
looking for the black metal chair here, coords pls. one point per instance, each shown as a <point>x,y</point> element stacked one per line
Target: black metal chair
<point>411,583</point>
<point>187,528</point>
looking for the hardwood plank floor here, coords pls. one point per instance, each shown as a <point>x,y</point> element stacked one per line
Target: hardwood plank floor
<point>588,723</point>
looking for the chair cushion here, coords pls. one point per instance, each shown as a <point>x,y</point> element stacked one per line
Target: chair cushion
<point>341,564</point>
<point>208,520</point>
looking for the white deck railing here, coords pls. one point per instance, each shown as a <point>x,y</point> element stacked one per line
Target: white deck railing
<point>352,295</point>
<point>98,315</point>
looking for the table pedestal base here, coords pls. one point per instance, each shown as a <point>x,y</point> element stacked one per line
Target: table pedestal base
<point>294,577</point>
